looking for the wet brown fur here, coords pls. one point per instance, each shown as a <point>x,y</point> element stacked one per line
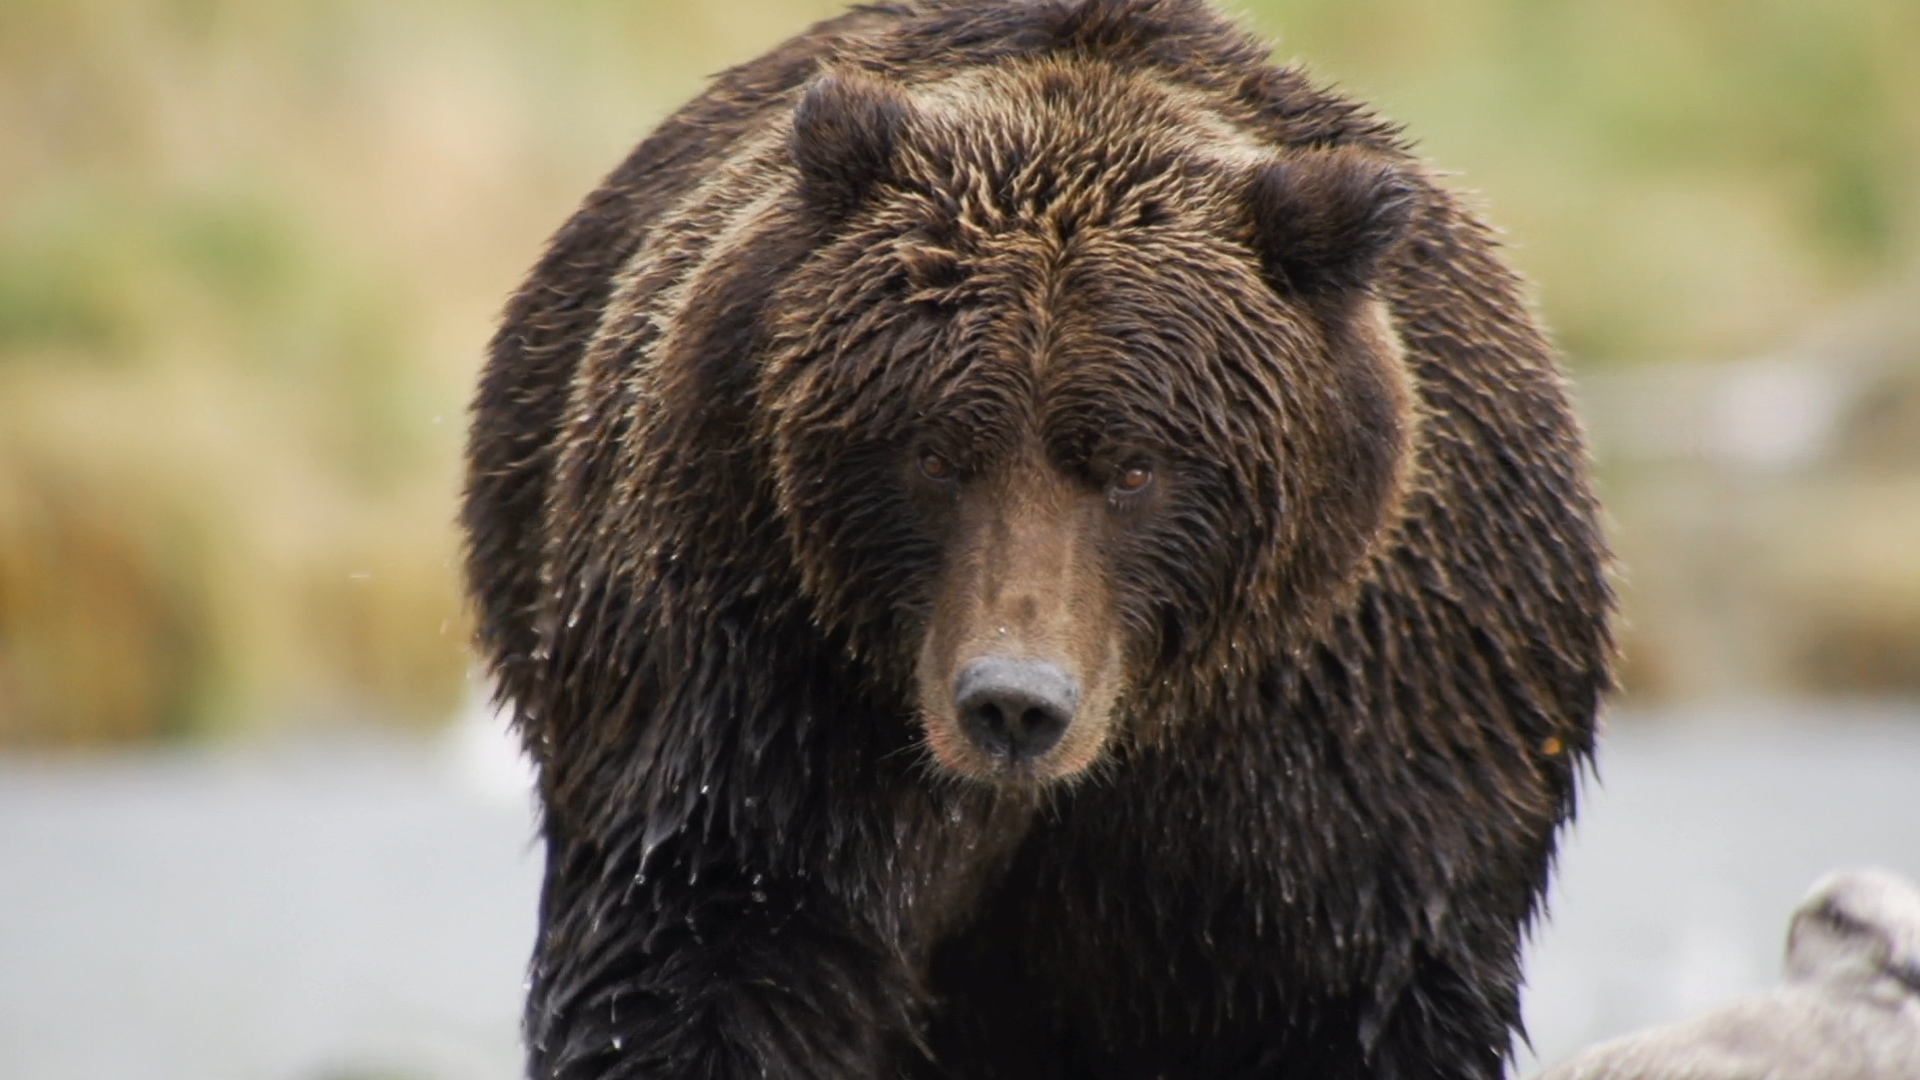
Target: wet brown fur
<point>1343,655</point>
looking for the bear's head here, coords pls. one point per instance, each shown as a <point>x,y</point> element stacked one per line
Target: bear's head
<point>1083,396</point>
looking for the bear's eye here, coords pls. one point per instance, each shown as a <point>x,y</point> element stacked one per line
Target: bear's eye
<point>1133,479</point>
<point>935,467</point>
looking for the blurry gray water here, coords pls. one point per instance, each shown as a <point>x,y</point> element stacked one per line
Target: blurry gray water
<point>327,912</point>
<point>365,910</point>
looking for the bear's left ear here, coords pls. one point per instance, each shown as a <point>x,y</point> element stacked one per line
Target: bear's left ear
<point>847,129</point>
<point>1325,218</point>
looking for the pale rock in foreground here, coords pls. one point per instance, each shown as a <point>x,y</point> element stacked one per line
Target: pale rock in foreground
<point>1848,1009</point>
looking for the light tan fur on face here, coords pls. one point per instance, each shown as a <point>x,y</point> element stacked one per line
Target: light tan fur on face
<point>1026,579</point>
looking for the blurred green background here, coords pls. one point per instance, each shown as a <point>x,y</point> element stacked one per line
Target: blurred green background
<point>250,254</point>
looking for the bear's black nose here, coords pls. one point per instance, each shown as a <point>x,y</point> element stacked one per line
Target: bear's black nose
<point>1014,709</point>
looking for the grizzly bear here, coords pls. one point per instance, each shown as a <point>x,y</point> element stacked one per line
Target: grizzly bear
<point>1025,541</point>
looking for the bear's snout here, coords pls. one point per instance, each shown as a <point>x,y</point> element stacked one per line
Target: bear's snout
<point>1019,667</point>
<point>1014,709</point>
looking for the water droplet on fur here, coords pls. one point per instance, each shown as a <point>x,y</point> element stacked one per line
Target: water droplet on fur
<point>1004,631</point>
<point>704,788</point>
<point>619,1042</point>
<point>656,834</point>
<point>573,619</point>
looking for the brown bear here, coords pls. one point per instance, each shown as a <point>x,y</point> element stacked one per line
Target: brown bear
<point>1027,542</point>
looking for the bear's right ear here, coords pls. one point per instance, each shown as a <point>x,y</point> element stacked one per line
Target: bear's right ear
<point>847,129</point>
<point>1325,218</point>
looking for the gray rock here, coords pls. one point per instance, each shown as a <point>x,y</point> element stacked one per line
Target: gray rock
<point>1848,1009</point>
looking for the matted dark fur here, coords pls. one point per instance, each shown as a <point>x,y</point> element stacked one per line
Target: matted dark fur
<point>1073,330</point>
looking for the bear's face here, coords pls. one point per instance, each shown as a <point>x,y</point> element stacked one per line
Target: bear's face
<point>1070,398</point>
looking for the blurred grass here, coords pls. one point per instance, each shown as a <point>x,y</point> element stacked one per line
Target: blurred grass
<point>1689,179</point>
<point>250,253</point>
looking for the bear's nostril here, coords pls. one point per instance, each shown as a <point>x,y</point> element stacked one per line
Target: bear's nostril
<point>1038,724</point>
<point>1015,709</point>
